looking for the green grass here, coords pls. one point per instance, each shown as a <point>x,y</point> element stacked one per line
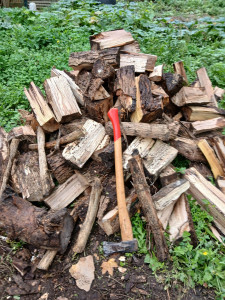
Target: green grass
<point>33,42</point>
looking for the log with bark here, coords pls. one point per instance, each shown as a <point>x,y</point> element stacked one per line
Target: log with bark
<point>208,125</point>
<point>101,69</point>
<point>4,153</point>
<point>172,83</point>
<point>206,83</point>
<point>22,133</point>
<point>22,220</point>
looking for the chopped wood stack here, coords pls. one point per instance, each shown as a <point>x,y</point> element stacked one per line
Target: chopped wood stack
<point>66,143</point>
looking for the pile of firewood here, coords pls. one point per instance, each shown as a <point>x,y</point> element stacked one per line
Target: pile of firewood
<point>48,160</point>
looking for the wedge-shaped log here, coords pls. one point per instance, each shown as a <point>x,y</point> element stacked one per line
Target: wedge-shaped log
<point>164,132</point>
<point>86,59</point>
<point>67,192</point>
<point>211,158</point>
<point>208,125</point>
<point>79,153</point>
<point>109,39</point>
<point>206,83</point>
<point>75,88</point>
<point>34,225</point>
<point>42,111</point>
<point>104,143</point>
<point>125,87</point>
<point>190,95</point>
<point>202,190</point>
<point>141,62</point>
<point>201,113</point>
<point>188,148</point>
<point>158,158</point>
<point>170,193</point>
<point>143,145</point>
<point>157,73</point>
<point>61,98</point>
<point>179,69</point>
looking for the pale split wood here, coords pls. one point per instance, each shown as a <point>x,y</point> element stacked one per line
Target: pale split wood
<point>201,113</point>
<point>81,152</point>
<point>67,192</point>
<point>4,153</point>
<point>158,158</point>
<point>219,93</point>
<point>133,47</point>
<point>45,176</point>
<point>190,95</point>
<point>179,69</point>
<point>208,125</point>
<point>221,183</point>
<point>104,143</point>
<point>168,175</point>
<point>142,62</point>
<point>46,260</point>
<point>22,133</point>
<point>219,148</point>
<point>86,227</point>
<point>164,215</point>
<point>156,74</point>
<point>211,158</point>
<point>159,91</point>
<point>202,190</point>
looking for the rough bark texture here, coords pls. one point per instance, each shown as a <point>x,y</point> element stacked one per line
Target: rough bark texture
<point>101,69</point>
<point>98,110</point>
<point>4,153</point>
<point>172,83</point>
<point>148,207</point>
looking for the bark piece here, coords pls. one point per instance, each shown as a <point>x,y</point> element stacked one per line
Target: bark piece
<point>211,158</point>
<point>5,175</point>
<point>22,220</point>
<point>59,167</point>
<point>190,95</point>
<point>42,111</point>
<point>78,154</point>
<point>97,110</point>
<point>86,59</point>
<point>125,87</point>
<point>188,148</point>
<point>61,98</point>
<point>101,69</point>
<point>94,85</point>
<point>168,175</point>
<point>143,145</point>
<point>83,272</point>
<point>83,80</point>
<point>170,193</point>
<point>158,158</point>
<point>4,153</point>
<point>163,132</point>
<point>201,113</point>
<point>202,190</point>
<point>206,83</point>
<point>142,62</point>
<point>67,192</point>
<point>45,177</point>
<point>86,227</point>
<point>157,73</point>
<point>208,125</point>
<point>101,94</point>
<point>22,133</point>
<point>148,207</point>
<point>75,89</point>
<point>109,39</point>
<point>179,69</point>
<point>172,83</point>
<point>101,147</point>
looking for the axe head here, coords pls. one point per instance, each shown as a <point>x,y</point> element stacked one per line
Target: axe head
<point>121,247</point>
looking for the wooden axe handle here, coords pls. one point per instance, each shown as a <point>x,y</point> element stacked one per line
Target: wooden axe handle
<point>124,218</point>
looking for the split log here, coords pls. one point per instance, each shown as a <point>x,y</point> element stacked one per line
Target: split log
<point>219,148</point>
<point>79,153</point>
<point>101,69</point>
<point>75,89</point>
<point>42,111</point>
<point>46,260</point>
<point>22,220</point>
<point>147,108</point>
<point>101,147</point>
<point>159,91</point>
<point>170,193</point>
<point>221,183</point>
<point>86,227</point>
<point>46,179</point>
<point>26,176</point>
<point>83,80</point>
<point>208,125</point>
<point>157,73</point>
<point>189,95</point>
<point>168,175</point>
<point>201,113</point>
<point>218,93</point>
<point>148,207</point>
<point>158,158</point>
<point>10,159</point>
<point>143,145</point>
<point>71,137</point>
<point>67,192</point>
<point>177,117</point>
<point>94,85</point>
<point>4,153</point>
<point>172,83</point>
<point>109,39</point>
<point>28,118</point>
<point>202,190</point>
<point>142,62</point>
<point>211,158</point>
<point>179,69</point>
<point>61,98</point>
<point>110,221</point>
<point>22,133</point>
<point>125,87</point>
<point>188,148</point>
<point>106,155</point>
<point>86,59</point>
<point>97,110</point>
<point>206,83</point>
<point>164,132</point>
<point>164,215</point>
<point>133,47</point>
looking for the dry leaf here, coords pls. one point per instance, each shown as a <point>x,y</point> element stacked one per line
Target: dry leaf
<point>122,270</point>
<point>107,266</point>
